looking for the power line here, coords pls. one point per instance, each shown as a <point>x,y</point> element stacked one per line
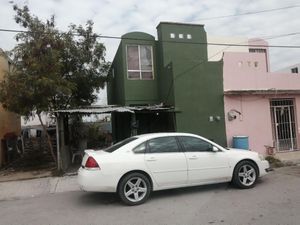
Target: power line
<point>185,42</point>
<point>250,13</point>
<point>215,54</point>
<point>279,36</point>
<point>192,68</point>
<point>247,45</point>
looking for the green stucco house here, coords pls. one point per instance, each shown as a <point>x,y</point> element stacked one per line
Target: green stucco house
<point>173,72</point>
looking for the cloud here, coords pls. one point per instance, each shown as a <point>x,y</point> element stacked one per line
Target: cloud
<point>118,17</point>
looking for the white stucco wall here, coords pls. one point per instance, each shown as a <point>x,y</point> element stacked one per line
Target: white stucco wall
<point>215,52</point>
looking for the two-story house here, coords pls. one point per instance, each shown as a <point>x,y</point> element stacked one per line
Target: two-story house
<point>172,71</point>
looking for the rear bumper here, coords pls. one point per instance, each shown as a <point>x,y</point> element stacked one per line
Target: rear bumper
<point>95,181</point>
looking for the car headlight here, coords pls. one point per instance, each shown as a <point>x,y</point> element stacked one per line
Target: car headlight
<point>261,157</point>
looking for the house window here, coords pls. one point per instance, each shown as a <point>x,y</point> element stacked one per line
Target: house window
<point>140,62</point>
<point>257,50</point>
<point>189,36</point>
<point>294,70</point>
<point>172,35</point>
<point>180,36</point>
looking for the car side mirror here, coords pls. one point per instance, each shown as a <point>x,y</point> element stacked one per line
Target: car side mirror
<point>215,149</point>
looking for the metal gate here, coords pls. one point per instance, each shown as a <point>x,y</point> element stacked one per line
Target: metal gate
<point>283,124</point>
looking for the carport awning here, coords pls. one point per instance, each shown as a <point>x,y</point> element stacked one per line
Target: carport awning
<point>113,108</point>
<point>271,91</point>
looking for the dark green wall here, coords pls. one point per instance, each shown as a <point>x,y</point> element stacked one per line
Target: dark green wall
<point>115,85</point>
<point>190,82</point>
<point>132,92</point>
<point>199,97</point>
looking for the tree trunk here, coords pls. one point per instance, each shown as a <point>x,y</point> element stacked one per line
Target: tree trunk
<point>48,138</point>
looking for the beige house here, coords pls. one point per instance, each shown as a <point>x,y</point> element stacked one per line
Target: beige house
<point>10,123</point>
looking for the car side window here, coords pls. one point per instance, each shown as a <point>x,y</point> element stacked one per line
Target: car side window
<point>163,145</point>
<point>193,144</point>
<point>140,149</point>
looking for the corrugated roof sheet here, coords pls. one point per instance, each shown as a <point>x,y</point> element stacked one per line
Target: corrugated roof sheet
<point>113,108</point>
<point>271,91</point>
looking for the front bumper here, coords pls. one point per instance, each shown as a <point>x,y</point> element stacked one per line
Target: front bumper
<point>264,167</point>
<point>269,169</point>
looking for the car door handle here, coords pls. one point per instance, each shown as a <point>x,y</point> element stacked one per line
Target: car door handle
<point>151,159</point>
<point>193,157</point>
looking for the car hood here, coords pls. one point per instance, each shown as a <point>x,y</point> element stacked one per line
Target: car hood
<point>237,149</point>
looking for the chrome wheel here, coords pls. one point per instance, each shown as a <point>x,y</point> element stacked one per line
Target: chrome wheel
<point>247,175</point>
<point>135,189</point>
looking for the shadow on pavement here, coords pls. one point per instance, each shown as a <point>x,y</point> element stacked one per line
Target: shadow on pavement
<point>97,199</point>
<point>190,190</point>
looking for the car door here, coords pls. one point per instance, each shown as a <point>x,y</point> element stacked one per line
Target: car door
<point>166,162</point>
<point>204,164</point>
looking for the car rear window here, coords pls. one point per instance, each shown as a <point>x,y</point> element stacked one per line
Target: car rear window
<point>119,144</point>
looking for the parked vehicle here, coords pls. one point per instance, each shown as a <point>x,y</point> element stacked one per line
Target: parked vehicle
<point>138,165</point>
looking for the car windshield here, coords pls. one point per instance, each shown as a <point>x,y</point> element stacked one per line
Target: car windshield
<point>119,144</point>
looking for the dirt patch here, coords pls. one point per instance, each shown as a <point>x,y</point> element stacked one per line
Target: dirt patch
<point>7,175</point>
<point>290,170</point>
<point>30,165</point>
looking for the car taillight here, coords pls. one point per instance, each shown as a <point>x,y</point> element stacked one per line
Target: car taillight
<point>91,163</point>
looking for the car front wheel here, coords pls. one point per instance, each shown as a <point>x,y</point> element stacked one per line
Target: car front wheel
<point>134,189</point>
<point>245,175</point>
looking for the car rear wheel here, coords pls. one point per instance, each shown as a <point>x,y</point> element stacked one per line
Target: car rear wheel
<point>134,189</point>
<point>245,175</point>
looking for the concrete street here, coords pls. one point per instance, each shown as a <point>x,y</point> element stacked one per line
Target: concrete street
<point>275,200</point>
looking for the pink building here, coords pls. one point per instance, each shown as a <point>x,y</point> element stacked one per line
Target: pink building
<point>259,104</point>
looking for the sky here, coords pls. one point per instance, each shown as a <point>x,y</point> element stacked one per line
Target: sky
<point>115,18</point>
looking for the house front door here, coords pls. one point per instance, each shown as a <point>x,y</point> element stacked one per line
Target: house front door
<point>283,122</point>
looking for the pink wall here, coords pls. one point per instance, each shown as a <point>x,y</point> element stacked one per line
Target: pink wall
<point>260,43</point>
<point>248,71</point>
<point>254,121</point>
<point>240,73</point>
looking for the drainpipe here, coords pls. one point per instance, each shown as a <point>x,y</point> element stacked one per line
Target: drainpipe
<point>57,143</point>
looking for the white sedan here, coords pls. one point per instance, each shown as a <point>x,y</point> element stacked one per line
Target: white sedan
<point>150,162</point>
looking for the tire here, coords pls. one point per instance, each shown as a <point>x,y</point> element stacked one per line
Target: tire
<point>134,189</point>
<point>245,175</point>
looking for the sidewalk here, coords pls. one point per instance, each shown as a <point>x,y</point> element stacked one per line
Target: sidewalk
<point>30,188</point>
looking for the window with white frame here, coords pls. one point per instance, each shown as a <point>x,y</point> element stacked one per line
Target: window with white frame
<point>140,62</point>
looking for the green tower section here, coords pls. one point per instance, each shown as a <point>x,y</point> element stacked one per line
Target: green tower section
<point>125,91</point>
<point>189,82</point>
